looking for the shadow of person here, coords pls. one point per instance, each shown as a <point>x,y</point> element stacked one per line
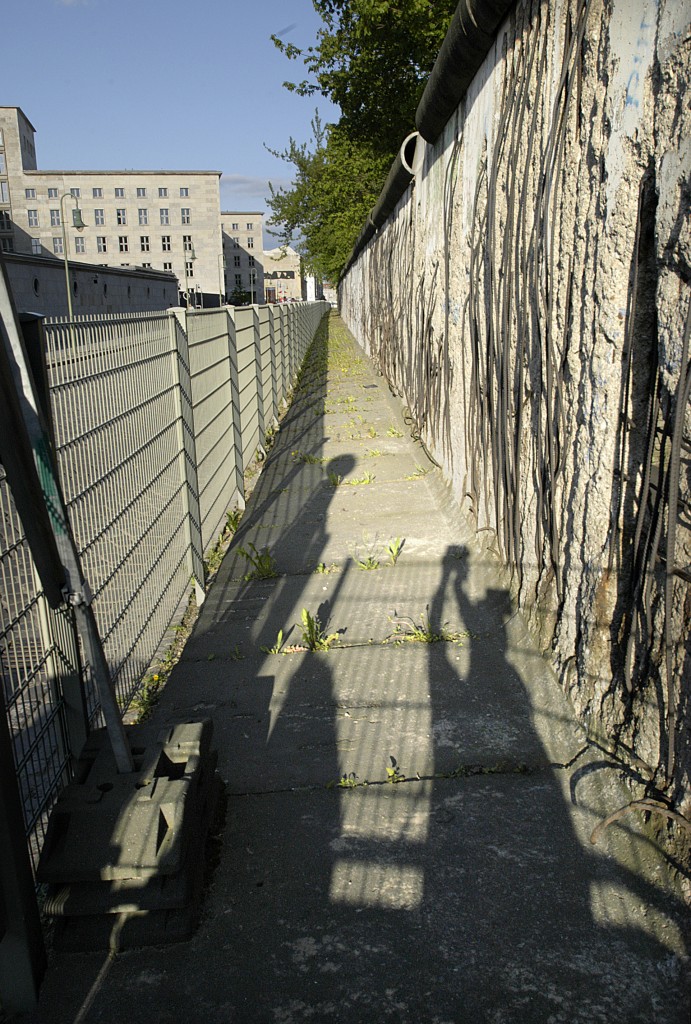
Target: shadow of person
<point>529,911</point>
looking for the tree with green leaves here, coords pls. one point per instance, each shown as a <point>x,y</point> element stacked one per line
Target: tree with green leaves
<point>372,58</point>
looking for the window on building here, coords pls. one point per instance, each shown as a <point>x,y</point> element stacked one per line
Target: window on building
<point>52,193</point>
<point>234,226</point>
<point>165,243</point>
<point>76,192</point>
<point>236,261</point>
<point>97,193</point>
<point>236,242</point>
<point>144,243</point>
<point>238,280</point>
<point>185,215</point>
<point>6,223</point>
<point>57,246</point>
<point>33,218</point>
<point>143,216</point>
<point>101,244</point>
<point>4,192</point>
<point>30,193</point>
<point>2,137</point>
<point>55,218</point>
<point>3,166</point>
<point>251,261</point>
<point>249,227</point>
<point>123,244</point>
<point>79,244</point>
<point>99,217</point>
<point>147,265</point>
<point>6,244</point>
<point>119,193</point>
<point>165,218</point>
<point>187,243</point>
<point>184,192</point>
<point>168,266</point>
<point>190,268</point>
<point>163,193</point>
<point>121,216</point>
<point>36,246</point>
<point>141,193</point>
<point>250,243</point>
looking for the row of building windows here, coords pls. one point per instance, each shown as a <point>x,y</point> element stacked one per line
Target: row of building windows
<point>120,216</point>
<point>236,227</point>
<point>236,242</point>
<point>123,244</point>
<point>97,193</point>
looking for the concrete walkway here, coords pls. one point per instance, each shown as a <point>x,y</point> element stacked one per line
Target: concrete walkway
<point>407,828</point>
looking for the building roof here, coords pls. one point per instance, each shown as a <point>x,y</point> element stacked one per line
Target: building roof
<point>121,170</point>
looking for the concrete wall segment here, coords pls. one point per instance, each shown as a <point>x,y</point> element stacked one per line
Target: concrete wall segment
<point>521,299</point>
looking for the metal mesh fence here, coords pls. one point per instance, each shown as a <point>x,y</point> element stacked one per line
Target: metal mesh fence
<point>153,427</point>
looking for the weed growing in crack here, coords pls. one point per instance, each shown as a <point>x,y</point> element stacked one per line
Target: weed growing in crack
<point>335,479</point>
<point>263,563</point>
<point>366,478</point>
<point>368,563</point>
<point>393,431</point>
<point>276,648</point>
<point>394,548</point>
<point>313,636</point>
<point>393,772</point>
<point>423,632</point>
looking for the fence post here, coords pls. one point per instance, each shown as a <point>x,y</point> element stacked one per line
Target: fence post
<point>187,454</point>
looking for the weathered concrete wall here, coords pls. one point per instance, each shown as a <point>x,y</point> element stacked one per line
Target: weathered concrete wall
<point>529,299</point>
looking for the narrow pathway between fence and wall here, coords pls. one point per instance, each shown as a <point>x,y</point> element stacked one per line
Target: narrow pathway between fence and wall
<point>409,798</point>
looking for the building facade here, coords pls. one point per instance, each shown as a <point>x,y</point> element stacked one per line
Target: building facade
<point>167,221</point>
<point>282,275</point>
<point>243,234</point>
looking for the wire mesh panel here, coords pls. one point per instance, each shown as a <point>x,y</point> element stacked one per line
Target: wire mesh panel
<point>121,450</point>
<point>251,417</point>
<point>266,379</point>
<point>209,338</point>
<point>37,652</point>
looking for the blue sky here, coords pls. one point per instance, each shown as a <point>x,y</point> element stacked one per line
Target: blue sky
<point>161,84</point>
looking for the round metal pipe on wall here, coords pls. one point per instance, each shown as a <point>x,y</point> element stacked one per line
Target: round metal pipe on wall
<point>466,44</point>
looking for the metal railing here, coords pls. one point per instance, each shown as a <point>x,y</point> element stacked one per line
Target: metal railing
<point>155,417</point>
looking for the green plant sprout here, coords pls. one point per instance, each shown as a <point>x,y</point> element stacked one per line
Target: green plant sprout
<point>423,632</point>
<point>313,636</point>
<point>418,474</point>
<point>373,453</point>
<point>393,772</point>
<point>394,548</point>
<point>323,569</point>
<point>314,460</point>
<point>233,519</point>
<point>366,478</point>
<point>263,563</point>
<point>335,478</point>
<point>276,648</point>
<point>393,431</point>
<point>368,563</point>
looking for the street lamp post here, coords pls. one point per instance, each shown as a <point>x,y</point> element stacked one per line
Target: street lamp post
<point>79,224</point>
<point>191,255</point>
<point>221,278</point>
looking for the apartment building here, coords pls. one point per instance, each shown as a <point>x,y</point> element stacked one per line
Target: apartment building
<point>243,234</point>
<point>163,220</point>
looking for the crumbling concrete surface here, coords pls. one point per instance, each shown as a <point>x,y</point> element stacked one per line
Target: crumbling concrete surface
<point>529,299</point>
